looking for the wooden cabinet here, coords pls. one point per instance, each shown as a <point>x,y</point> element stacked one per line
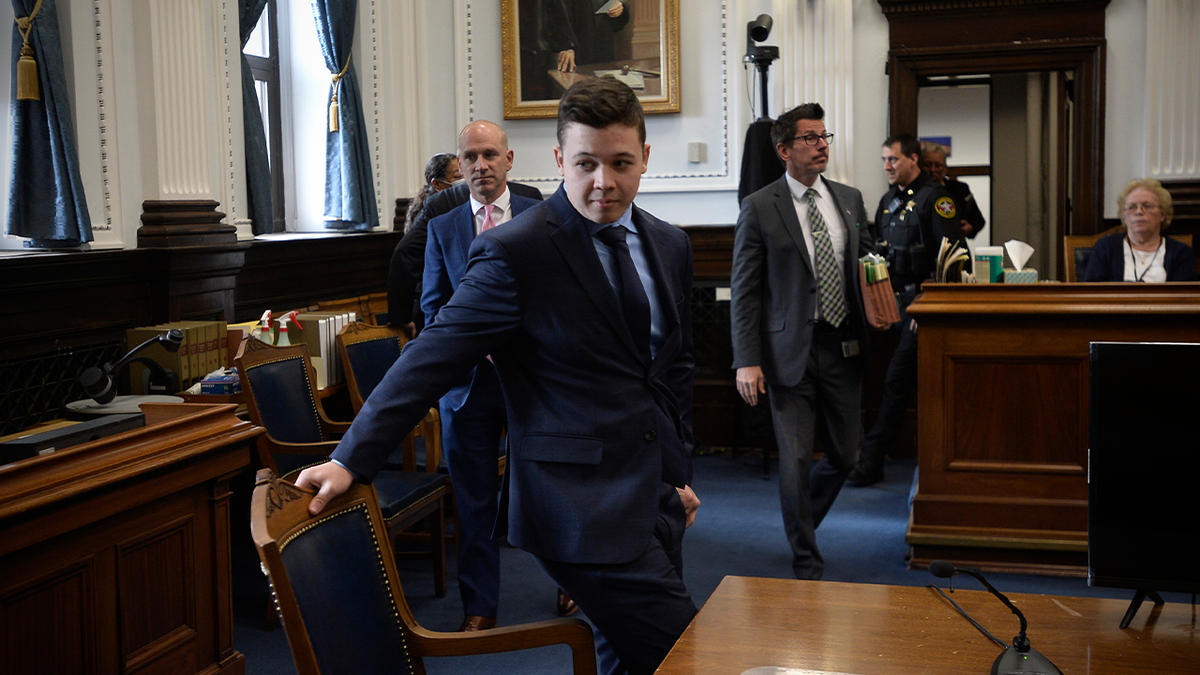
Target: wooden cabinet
<point>1003,413</point>
<point>114,554</point>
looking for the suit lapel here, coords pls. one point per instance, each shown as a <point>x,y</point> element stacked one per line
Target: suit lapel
<point>653,241</point>
<point>464,233</point>
<point>786,207</point>
<point>574,242</point>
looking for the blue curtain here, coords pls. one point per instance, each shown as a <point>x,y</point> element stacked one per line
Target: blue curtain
<point>349,194</point>
<point>258,166</point>
<point>45,201</point>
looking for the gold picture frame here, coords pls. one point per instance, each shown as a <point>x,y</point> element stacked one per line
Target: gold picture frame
<point>644,51</point>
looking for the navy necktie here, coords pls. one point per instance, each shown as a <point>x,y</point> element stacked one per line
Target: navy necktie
<point>634,303</point>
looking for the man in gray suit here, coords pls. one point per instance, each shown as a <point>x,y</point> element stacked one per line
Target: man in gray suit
<point>799,332</point>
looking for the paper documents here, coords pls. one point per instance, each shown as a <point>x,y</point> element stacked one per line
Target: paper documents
<point>951,262</point>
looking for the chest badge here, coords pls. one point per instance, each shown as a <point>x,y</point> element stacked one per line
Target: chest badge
<point>945,206</point>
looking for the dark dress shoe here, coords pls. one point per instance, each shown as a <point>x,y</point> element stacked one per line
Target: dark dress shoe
<point>865,473</point>
<point>566,606</point>
<point>473,623</point>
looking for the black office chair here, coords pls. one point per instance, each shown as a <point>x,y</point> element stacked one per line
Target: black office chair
<point>340,599</point>
<point>281,398</point>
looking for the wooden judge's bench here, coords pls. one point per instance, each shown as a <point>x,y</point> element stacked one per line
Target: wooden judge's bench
<point>1003,413</point>
<point>114,554</point>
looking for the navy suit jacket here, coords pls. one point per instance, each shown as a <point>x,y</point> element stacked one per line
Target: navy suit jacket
<point>446,249</point>
<point>593,432</point>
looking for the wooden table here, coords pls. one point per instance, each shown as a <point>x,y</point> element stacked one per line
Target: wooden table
<point>867,629</point>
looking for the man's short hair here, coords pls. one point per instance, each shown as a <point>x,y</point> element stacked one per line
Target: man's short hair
<point>785,127</point>
<point>599,102</point>
<point>909,145</point>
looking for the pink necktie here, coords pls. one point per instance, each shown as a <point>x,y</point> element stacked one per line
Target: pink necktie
<point>488,223</point>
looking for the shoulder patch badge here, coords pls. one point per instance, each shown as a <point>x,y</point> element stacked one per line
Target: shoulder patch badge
<point>945,206</point>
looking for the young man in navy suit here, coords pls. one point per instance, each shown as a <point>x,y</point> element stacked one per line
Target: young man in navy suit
<point>473,410</point>
<point>584,304</point>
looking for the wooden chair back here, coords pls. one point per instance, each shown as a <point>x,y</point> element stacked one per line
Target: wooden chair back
<point>367,352</point>
<point>339,595</point>
<point>279,384</point>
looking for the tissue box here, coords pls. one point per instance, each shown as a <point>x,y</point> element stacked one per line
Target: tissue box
<point>1025,276</point>
<point>225,385</point>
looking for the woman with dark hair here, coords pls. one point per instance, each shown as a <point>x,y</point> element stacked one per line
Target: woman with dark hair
<point>441,172</point>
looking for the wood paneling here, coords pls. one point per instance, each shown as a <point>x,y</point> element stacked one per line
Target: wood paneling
<point>57,302</point>
<point>114,554</point>
<point>1041,393</point>
<point>1003,423</point>
<point>712,252</point>
<point>295,273</point>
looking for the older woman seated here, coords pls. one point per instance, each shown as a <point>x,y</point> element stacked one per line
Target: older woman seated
<point>1142,253</point>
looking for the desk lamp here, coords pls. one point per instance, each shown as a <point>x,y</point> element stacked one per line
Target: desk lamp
<point>98,381</point>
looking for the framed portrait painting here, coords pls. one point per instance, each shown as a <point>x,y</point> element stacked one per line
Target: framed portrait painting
<point>551,44</point>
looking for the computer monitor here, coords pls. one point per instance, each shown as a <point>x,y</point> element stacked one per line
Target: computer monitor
<point>1144,466</point>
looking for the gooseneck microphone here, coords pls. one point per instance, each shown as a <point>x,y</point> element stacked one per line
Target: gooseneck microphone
<point>98,382</point>
<point>1019,657</point>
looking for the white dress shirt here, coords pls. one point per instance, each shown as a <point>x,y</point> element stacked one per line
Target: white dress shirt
<point>833,223</point>
<point>502,214</point>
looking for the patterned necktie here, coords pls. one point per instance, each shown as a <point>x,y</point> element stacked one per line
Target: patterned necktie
<point>488,223</point>
<point>829,286</point>
<point>634,303</point>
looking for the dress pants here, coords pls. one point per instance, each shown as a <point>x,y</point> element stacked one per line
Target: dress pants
<point>640,608</point>
<point>826,401</point>
<point>899,385</point>
<point>471,438</point>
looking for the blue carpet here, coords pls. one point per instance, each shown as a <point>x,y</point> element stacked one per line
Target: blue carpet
<point>739,531</point>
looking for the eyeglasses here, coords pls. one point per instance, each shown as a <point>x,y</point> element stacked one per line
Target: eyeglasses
<point>811,139</point>
<point>1145,206</point>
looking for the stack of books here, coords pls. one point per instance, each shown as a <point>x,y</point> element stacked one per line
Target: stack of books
<point>318,330</point>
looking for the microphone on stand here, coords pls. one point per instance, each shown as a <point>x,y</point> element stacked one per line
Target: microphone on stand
<point>1019,657</point>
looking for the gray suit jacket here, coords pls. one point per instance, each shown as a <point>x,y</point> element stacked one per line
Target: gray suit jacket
<point>774,281</point>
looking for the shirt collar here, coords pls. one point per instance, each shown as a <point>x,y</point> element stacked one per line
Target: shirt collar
<point>799,189</point>
<point>626,221</point>
<point>501,203</point>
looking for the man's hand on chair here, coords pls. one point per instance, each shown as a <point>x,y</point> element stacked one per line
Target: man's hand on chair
<point>328,479</point>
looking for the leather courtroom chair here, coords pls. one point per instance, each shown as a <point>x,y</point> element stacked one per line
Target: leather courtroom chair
<point>1077,249</point>
<point>367,352</point>
<point>281,397</point>
<point>340,599</point>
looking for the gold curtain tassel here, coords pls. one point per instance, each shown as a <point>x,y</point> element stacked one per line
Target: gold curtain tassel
<point>27,76</point>
<point>333,99</point>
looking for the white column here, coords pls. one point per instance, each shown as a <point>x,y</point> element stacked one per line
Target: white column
<point>189,103</point>
<point>818,65</point>
<point>1172,89</point>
